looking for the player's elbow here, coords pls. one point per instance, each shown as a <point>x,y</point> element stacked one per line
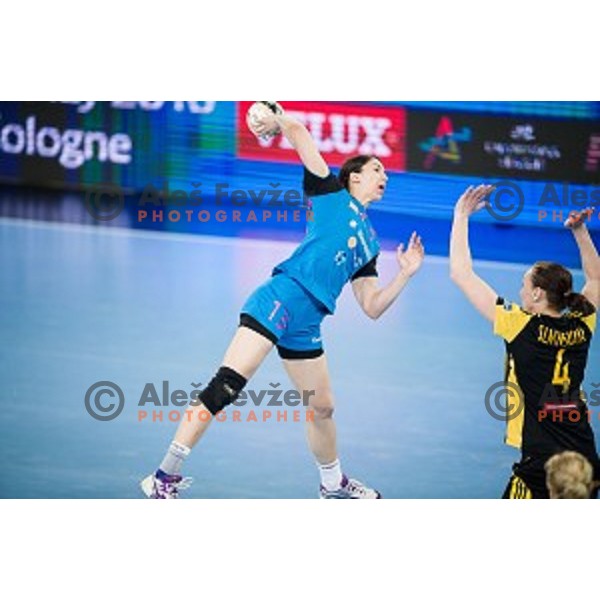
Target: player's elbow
<point>370,305</point>
<point>372,312</point>
<point>592,274</point>
<point>458,276</point>
<point>294,131</point>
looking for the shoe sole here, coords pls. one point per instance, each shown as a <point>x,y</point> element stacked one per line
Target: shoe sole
<point>378,497</point>
<point>147,486</point>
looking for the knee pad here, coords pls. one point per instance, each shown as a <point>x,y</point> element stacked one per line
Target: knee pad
<point>222,390</point>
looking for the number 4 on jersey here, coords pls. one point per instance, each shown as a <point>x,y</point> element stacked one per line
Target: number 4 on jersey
<point>561,372</point>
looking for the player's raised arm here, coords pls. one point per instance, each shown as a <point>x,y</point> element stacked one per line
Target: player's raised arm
<point>478,292</point>
<point>590,260</point>
<point>375,300</point>
<point>297,135</point>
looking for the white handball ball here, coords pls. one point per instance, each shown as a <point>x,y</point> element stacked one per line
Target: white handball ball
<point>260,112</point>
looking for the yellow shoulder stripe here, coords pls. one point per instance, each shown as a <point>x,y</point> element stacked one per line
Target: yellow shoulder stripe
<point>510,321</point>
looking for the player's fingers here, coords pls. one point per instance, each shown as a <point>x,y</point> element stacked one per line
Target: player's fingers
<point>577,217</point>
<point>477,199</point>
<point>467,194</point>
<point>476,195</point>
<point>481,192</point>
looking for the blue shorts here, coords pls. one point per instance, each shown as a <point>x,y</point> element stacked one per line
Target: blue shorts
<point>285,313</point>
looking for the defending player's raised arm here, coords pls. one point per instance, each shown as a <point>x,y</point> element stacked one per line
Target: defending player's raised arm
<point>590,260</point>
<point>299,137</point>
<point>375,300</point>
<point>478,292</point>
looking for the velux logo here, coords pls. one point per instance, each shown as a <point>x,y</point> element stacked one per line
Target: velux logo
<point>339,130</point>
<point>346,134</point>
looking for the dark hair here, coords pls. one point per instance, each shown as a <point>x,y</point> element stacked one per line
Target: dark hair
<point>557,282</point>
<point>353,165</point>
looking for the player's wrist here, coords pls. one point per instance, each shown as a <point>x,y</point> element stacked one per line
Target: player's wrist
<point>577,220</point>
<point>287,123</point>
<point>404,274</point>
<point>579,229</point>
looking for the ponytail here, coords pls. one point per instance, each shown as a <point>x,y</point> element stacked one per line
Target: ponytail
<point>579,304</point>
<point>557,282</point>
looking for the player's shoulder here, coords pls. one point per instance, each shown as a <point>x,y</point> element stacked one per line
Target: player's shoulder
<point>508,306</point>
<point>315,186</point>
<point>510,319</point>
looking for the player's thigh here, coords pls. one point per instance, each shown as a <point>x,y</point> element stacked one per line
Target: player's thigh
<point>247,351</point>
<point>311,379</point>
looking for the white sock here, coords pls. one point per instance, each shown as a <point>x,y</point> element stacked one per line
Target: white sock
<point>176,454</point>
<point>331,475</point>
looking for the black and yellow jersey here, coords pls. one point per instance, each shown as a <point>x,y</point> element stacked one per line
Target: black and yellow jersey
<point>546,361</point>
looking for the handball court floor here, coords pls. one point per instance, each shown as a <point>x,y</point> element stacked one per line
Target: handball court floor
<point>83,304</point>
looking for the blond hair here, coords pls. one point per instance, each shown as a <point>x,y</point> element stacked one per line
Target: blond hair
<point>569,476</point>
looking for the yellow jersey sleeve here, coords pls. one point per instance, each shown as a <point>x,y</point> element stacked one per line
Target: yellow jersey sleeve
<point>510,320</point>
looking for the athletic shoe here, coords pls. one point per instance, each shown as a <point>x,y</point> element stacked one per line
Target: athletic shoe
<point>350,490</point>
<point>165,487</point>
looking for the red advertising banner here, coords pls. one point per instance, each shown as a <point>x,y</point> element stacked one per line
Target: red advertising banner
<point>341,131</point>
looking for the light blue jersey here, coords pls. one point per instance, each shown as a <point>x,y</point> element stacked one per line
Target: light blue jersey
<point>340,242</point>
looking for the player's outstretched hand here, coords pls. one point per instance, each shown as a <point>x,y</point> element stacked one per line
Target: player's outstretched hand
<point>473,200</point>
<point>577,218</point>
<point>411,259</point>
